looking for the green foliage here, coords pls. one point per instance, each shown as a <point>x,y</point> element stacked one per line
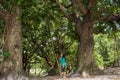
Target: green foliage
<point>72,57</point>
<point>43,26</point>
<point>6,53</point>
<point>104,50</point>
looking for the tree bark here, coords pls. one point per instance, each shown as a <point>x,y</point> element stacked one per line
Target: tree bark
<point>85,58</point>
<point>12,65</point>
<point>86,65</point>
<point>13,42</point>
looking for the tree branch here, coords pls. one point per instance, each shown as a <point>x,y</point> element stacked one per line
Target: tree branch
<point>3,13</point>
<point>91,4</point>
<point>74,8</point>
<point>64,11</point>
<point>113,17</point>
<point>81,7</point>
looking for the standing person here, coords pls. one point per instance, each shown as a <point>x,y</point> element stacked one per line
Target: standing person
<point>63,65</point>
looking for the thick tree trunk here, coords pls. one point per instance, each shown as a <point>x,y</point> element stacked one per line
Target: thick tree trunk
<point>85,61</point>
<point>13,40</point>
<point>12,65</point>
<point>85,49</point>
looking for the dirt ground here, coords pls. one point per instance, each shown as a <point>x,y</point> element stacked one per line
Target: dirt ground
<point>100,77</point>
<point>110,74</point>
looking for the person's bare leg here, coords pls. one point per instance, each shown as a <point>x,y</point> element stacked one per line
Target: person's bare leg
<point>64,75</point>
<point>61,74</point>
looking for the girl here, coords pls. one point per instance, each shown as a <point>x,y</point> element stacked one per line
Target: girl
<point>63,65</point>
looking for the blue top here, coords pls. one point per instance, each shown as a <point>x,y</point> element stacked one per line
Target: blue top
<point>62,61</point>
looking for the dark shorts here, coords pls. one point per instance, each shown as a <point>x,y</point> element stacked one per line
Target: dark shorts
<point>62,68</point>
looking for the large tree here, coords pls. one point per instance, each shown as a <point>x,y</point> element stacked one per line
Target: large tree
<point>85,14</point>
<point>12,63</point>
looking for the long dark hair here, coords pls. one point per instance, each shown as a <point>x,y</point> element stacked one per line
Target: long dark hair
<point>63,56</point>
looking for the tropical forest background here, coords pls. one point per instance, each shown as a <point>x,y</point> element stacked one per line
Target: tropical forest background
<point>46,33</point>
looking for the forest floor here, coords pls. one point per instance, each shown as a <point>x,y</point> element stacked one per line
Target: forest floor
<point>99,77</point>
<point>110,74</point>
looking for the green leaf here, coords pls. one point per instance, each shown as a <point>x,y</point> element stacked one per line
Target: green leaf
<point>6,53</point>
